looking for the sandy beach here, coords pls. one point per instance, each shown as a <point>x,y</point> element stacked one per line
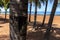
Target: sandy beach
<point>4,28</point>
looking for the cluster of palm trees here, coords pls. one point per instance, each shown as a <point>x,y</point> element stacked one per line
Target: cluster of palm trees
<point>19,14</point>
<point>38,3</point>
<point>5,4</point>
<point>51,15</point>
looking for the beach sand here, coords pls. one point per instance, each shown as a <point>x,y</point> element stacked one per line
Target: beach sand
<point>4,28</point>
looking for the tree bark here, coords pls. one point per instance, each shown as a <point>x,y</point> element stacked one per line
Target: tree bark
<point>18,19</point>
<point>47,34</point>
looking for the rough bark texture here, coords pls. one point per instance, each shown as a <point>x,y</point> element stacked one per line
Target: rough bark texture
<point>18,19</point>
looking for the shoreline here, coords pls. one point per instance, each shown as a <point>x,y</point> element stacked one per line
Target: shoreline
<point>33,14</point>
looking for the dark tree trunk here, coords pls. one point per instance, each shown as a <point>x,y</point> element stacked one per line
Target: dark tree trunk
<point>45,13</point>
<point>0,11</point>
<point>5,14</point>
<point>35,15</point>
<point>47,34</point>
<point>18,19</point>
<point>30,12</point>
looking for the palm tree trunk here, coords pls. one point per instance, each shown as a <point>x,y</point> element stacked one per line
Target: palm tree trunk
<point>0,11</point>
<point>45,13</point>
<point>35,15</point>
<point>5,14</point>
<point>18,19</point>
<point>47,34</point>
<point>30,12</point>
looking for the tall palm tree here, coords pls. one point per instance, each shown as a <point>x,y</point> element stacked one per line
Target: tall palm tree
<point>30,10</point>
<point>35,13</point>
<point>18,19</point>
<point>37,3</point>
<point>45,13</point>
<point>5,4</point>
<point>47,34</point>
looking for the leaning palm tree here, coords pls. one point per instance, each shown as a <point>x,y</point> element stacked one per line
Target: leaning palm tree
<point>45,13</point>
<point>30,10</point>
<point>37,3</point>
<point>18,19</point>
<point>5,4</point>
<point>47,34</point>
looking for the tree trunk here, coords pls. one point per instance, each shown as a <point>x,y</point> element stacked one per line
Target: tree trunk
<point>47,34</point>
<point>0,11</point>
<point>45,13</point>
<point>18,19</point>
<point>35,15</point>
<point>5,14</point>
<point>30,12</point>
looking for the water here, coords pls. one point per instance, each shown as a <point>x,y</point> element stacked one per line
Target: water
<point>40,13</point>
<point>48,13</point>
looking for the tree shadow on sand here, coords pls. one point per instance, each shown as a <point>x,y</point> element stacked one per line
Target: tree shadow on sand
<point>39,33</point>
<point>3,20</point>
<point>1,26</point>
<point>4,37</point>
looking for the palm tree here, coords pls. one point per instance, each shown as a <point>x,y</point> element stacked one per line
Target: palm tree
<point>5,4</point>
<point>30,10</point>
<point>37,3</point>
<point>47,34</point>
<point>0,10</point>
<point>18,19</point>
<point>45,13</point>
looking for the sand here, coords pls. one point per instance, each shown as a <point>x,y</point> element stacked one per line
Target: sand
<point>4,28</point>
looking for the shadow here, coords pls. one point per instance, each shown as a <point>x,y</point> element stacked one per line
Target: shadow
<point>56,34</point>
<point>39,25</point>
<point>32,23</point>
<point>4,37</point>
<point>3,20</point>
<point>1,26</point>
<point>39,33</point>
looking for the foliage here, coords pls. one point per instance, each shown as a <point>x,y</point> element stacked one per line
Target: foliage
<point>1,3</point>
<point>38,2</point>
<point>5,3</point>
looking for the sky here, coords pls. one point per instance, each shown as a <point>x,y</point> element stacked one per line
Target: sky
<point>42,9</point>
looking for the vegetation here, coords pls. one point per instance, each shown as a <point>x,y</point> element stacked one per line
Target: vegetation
<point>19,15</point>
<point>47,34</point>
<point>18,19</point>
<point>5,4</point>
<point>30,10</point>
<point>37,4</point>
<point>1,5</point>
<point>45,13</point>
